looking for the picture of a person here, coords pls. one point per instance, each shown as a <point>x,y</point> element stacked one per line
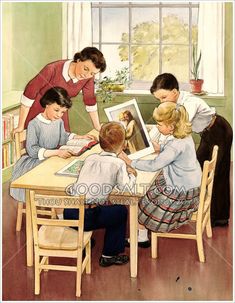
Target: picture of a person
<point>134,139</point>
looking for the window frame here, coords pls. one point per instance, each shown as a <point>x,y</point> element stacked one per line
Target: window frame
<point>138,84</point>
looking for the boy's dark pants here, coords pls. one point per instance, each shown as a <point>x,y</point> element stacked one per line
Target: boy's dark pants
<point>113,218</point>
<point>220,134</point>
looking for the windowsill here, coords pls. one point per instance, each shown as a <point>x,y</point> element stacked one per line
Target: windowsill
<point>145,92</point>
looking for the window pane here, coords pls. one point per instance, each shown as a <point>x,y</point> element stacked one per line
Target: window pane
<point>194,25</point>
<point>175,60</point>
<point>145,25</point>
<point>113,57</point>
<point>175,27</point>
<point>114,24</point>
<point>95,24</point>
<point>145,62</point>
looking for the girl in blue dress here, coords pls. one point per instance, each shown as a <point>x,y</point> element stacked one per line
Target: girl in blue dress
<point>44,134</point>
<point>174,195</point>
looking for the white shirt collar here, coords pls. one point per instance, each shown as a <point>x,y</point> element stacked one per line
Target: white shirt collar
<point>42,119</point>
<point>182,96</point>
<point>105,153</point>
<point>65,72</point>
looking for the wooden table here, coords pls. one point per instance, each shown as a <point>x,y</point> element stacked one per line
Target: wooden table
<point>42,179</point>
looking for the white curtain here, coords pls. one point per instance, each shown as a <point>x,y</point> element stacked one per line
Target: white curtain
<point>211,44</point>
<point>77,27</point>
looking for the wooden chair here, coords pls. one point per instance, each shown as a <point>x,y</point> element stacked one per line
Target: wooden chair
<point>20,150</point>
<point>201,217</point>
<point>55,238</point>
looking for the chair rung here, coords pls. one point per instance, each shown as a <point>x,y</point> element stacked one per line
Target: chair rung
<point>177,236</point>
<point>58,267</point>
<point>44,212</point>
<point>57,253</point>
<point>84,263</point>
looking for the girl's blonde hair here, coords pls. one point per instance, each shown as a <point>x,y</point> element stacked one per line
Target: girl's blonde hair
<point>172,113</point>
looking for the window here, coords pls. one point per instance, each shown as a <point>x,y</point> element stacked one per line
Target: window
<point>149,38</point>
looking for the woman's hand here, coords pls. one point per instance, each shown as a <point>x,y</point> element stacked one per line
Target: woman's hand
<point>156,147</point>
<point>124,157</point>
<point>64,153</point>
<point>18,130</point>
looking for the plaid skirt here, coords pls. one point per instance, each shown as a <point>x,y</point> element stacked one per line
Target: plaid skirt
<point>163,208</point>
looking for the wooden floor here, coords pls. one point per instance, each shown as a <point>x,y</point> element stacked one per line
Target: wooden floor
<point>176,275</point>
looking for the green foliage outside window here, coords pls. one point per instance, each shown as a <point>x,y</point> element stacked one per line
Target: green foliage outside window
<point>175,48</point>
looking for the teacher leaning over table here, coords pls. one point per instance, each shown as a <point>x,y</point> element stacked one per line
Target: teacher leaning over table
<point>72,75</point>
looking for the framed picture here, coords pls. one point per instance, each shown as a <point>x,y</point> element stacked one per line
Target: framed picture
<point>137,142</point>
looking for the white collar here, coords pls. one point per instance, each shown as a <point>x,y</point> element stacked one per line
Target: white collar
<point>105,153</point>
<point>182,96</point>
<point>65,72</point>
<point>42,119</point>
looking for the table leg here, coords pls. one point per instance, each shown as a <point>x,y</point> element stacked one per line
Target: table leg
<point>29,231</point>
<point>133,238</point>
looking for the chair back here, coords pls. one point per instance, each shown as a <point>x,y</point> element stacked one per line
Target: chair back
<point>20,139</point>
<point>46,201</point>
<point>203,213</point>
<point>54,237</point>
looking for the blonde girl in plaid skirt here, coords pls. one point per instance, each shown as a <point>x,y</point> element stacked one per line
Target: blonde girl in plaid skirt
<point>174,194</point>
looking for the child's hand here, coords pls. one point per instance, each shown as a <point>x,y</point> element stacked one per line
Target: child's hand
<point>156,147</point>
<point>64,153</point>
<point>124,157</point>
<point>131,170</point>
<point>88,137</point>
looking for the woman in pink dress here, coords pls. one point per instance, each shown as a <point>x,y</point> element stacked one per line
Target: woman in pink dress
<point>74,76</point>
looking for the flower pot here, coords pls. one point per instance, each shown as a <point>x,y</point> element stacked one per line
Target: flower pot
<point>196,85</point>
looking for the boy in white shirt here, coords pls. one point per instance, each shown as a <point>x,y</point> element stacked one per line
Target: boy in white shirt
<point>100,174</point>
<point>214,130</point>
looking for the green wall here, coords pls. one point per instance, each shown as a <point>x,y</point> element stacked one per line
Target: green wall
<point>32,37</point>
<point>6,46</point>
<point>228,108</point>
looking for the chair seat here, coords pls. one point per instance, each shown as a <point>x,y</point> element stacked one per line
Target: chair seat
<point>59,237</point>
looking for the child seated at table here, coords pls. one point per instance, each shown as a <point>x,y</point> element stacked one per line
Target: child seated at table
<point>174,195</point>
<point>44,134</point>
<point>99,175</point>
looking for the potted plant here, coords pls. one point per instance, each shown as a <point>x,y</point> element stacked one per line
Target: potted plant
<point>107,87</point>
<point>196,83</point>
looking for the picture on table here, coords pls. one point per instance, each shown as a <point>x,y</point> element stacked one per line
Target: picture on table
<point>137,143</point>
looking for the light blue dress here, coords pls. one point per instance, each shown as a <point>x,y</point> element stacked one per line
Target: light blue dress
<point>42,134</point>
<point>174,195</point>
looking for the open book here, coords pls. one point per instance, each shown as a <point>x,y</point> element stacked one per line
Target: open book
<point>79,146</point>
<point>72,169</point>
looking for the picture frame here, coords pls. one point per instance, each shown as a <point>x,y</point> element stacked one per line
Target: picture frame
<point>138,143</point>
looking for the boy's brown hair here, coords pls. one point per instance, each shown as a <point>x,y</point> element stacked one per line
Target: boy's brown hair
<point>112,136</point>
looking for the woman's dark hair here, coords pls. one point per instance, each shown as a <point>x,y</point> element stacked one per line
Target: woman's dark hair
<point>93,54</point>
<point>56,95</point>
<point>164,81</point>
